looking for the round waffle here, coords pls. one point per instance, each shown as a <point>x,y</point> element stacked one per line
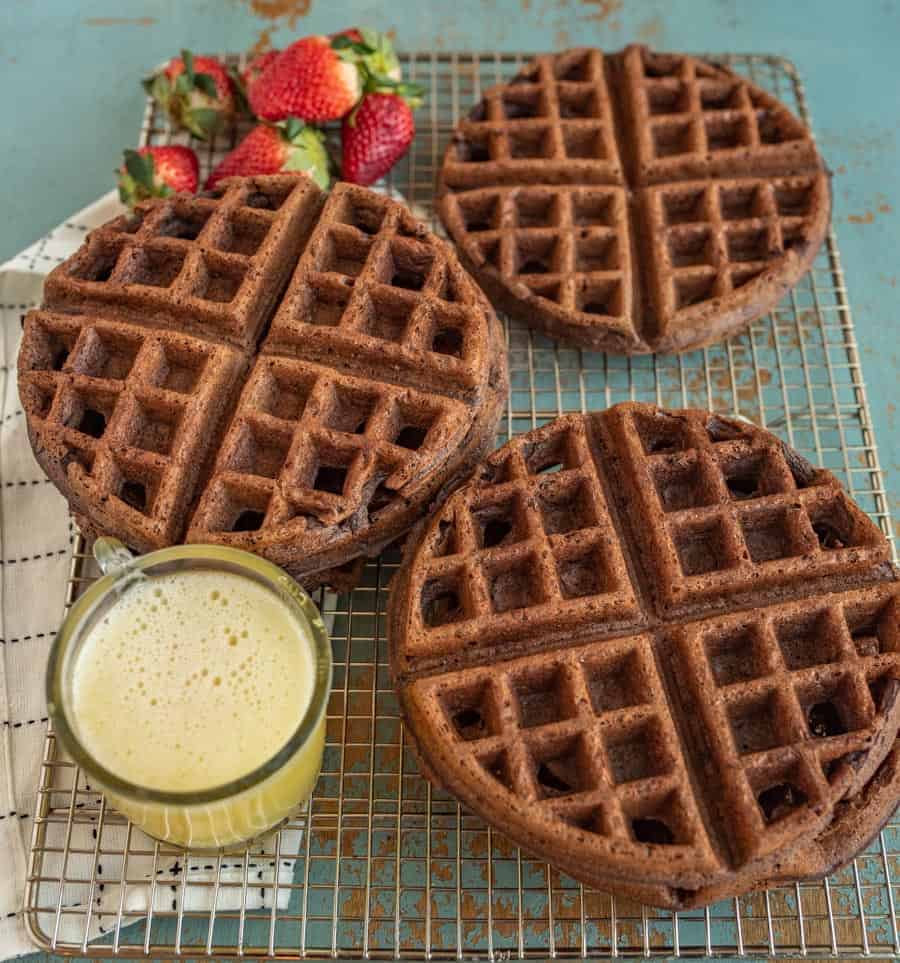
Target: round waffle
<point>262,367</point>
<point>657,648</point>
<point>633,202</point>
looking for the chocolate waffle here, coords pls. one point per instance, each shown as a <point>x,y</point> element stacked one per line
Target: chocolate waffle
<point>350,376</point>
<point>633,202</point>
<point>652,646</point>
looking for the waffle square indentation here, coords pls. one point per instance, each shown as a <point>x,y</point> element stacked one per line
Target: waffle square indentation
<point>543,696</point>
<point>472,710</point>
<point>758,723</point>
<point>637,752</point>
<point>563,767</point>
<point>616,682</point>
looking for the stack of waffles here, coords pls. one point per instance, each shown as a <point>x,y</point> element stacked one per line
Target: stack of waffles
<point>262,367</point>
<point>633,202</point>
<point>659,649</point>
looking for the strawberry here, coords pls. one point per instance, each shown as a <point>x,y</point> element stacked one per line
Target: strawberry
<point>196,92</point>
<point>271,149</point>
<point>255,68</point>
<point>321,78</point>
<point>157,172</point>
<point>376,135</point>
<point>309,79</point>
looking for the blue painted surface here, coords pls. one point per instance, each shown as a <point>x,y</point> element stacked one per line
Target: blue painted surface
<point>69,74</point>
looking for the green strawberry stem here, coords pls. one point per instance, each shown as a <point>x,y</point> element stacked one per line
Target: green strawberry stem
<point>412,93</point>
<point>138,181</point>
<point>309,153</point>
<point>140,168</point>
<point>240,92</point>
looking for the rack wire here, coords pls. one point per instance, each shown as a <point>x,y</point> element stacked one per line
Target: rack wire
<point>381,865</point>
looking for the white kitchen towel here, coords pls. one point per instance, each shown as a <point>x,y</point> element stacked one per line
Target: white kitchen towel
<point>36,537</point>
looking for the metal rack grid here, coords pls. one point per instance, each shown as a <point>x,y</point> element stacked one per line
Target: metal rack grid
<point>381,865</point>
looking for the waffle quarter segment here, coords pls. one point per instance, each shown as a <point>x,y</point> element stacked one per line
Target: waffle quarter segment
<point>569,247</point>
<point>322,448</point>
<point>578,745</point>
<point>122,417</point>
<point>722,512</point>
<point>214,265</point>
<point>688,119</point>
<point>557,112</point>
<point>795,708</point>
<point>715,244</point>
<point>530,544</point>
<point>376,292</point>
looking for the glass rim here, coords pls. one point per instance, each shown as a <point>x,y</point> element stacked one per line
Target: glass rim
<point>59,712</point>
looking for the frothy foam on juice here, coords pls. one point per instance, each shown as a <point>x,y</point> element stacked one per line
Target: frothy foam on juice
<point>191,680</point>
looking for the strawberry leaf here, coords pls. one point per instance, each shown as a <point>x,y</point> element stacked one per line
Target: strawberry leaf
<point>293,127</point>
<point>187,58</point>
<point>240,92</point>
<point>382,60</point>
<point>127,190</point>
<point>183,85</point>
<point>308,155</point>
<point>203,122</point>
<point>207,84</point>
<point>345,43</point>
<point>372,38</point>
<point>140,168</point>
<point>159,88</point>
<point>412,93</point>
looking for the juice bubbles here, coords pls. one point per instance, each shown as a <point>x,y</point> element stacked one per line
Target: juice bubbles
<point>189,689</point>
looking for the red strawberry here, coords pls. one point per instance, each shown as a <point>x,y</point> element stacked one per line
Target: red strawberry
<point>269,149</point>
<point>157,172</point>
<point>321,78</point>
<point>196,92</point>
<point>310,79</point>
<point>375,136</point>
<point>255,68</point>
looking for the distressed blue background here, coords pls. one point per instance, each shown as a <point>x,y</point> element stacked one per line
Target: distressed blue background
<point>69,74</point>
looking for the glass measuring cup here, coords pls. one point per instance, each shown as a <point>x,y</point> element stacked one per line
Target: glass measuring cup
<point>243,807</point>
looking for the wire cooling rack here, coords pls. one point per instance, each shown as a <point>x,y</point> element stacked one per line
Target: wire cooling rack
<point>381,865</point>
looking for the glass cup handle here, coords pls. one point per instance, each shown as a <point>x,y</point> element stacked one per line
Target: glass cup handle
<point>111,555</point>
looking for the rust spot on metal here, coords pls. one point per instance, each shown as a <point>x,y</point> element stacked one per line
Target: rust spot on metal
<point>866,218</point>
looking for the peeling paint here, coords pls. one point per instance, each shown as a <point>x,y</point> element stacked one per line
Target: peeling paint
<point>262,44</point>
<point>604,9</point>
<point>288,10</point>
